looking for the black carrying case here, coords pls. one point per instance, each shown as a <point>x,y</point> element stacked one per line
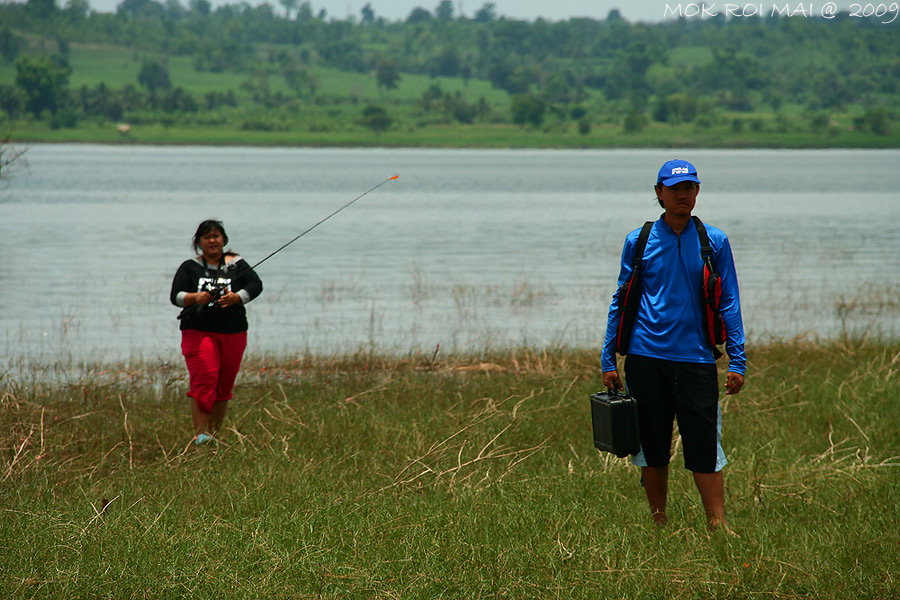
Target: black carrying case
<point>615,422</point>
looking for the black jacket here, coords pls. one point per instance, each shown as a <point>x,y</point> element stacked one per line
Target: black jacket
<point>236,276</point>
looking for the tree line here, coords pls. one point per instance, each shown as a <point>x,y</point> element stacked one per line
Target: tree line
<point>680,71</point>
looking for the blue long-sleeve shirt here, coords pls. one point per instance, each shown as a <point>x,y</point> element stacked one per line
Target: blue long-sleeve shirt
<point>669,321</point>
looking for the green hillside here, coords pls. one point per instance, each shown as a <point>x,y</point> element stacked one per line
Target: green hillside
<point>250,75</point>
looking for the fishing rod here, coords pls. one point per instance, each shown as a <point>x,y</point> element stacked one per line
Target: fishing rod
<point>367,192</point>
<point>218,289</point>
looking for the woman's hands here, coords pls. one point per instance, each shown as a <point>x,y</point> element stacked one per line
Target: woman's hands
<point>227,299</point>
<point>230,299</point>
<point>203,298</point>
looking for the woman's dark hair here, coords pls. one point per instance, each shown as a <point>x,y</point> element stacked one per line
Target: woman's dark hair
<point>204,228</point>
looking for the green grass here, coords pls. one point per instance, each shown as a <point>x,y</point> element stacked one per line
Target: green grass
<point>117,67</point>
<point>453,477</point>
<point>690,56</point>
<point>344,131</point>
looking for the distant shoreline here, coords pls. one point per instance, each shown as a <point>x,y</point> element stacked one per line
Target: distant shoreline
<point>453,136</point>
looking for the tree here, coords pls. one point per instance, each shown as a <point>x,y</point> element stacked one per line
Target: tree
<point>77,10</point>
<point>732,71</point>
<point>10,46</point>
<point>141,8</point>
<point>178,101</point>
<point>419,15</point>
<point>465,71</point>
<point>11,101</point>
<point>875,119</point>
<point>100,101</point>
<point>43,82</point>
<point>634,122</point>
<point>201,7</point>
<point>257,84</point>
<point>486,13</point>
<point>154,76</point>
<point>346,54</point>
<point>288,5</point>
<point>174,11</point>
<point>447,63</point>
<point>521,79</point>
<point>387,74</point>
<point>8,155</point>
<point>563,86</point>
<point>42,9</point>
<point>431,96</point>
<point>368,15</point>
<point>584,125</point>
<point>676,108</point>
<point>444,11</point>
<point>305,12</point>
<point>628,77</point>
<point>461,110</point>
<point>528,108</point>
<point>300,80</point>
<point>376,119</point>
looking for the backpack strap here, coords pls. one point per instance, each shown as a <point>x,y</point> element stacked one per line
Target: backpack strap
<point>713,324</point>
<point>629,293</point>
<point>640,245</point>
<point>706,251</point>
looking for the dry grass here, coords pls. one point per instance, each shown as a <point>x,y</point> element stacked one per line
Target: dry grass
<point>434,476</point>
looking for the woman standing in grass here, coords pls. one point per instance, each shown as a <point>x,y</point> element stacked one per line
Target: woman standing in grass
<point>213,288</point>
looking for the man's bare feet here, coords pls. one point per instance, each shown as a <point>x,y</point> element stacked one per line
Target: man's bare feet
<point>660,518</point>
<point>719,526</point>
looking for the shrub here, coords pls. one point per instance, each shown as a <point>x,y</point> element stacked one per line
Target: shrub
<point>635,122</point>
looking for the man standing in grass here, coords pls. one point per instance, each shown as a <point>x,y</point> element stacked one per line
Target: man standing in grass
<point>671,365</point>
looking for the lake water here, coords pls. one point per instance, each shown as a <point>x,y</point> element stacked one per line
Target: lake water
<point>469,249</point>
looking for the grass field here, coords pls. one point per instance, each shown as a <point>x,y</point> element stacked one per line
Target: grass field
<point>118,67</point>
<point>443,136</point>
<point>443,477</point>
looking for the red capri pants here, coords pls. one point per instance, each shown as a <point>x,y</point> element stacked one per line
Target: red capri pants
<point>213,360</point>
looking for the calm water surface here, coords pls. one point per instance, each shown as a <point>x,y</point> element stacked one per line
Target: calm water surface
<point>470,249</point>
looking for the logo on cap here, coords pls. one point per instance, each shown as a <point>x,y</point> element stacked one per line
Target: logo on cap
<point>676,171</point>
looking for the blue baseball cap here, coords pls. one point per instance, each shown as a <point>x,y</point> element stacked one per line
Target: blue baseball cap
<point>676,171</point>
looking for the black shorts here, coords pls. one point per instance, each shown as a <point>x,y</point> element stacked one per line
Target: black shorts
<point>666,390</point>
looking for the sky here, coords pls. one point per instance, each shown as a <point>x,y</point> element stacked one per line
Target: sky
<point>552,10</point>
